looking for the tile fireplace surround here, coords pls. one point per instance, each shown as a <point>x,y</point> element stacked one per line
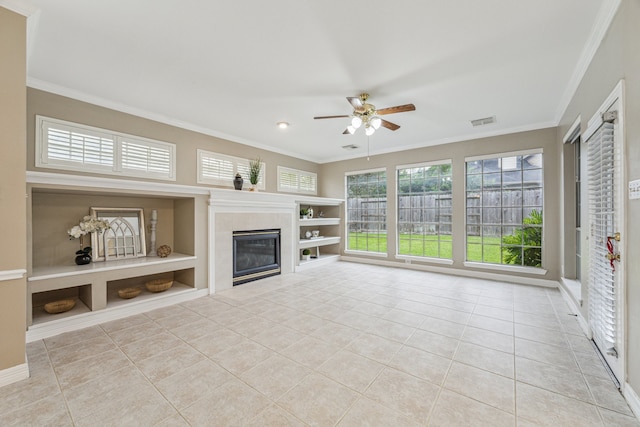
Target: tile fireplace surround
<point>242,210</point>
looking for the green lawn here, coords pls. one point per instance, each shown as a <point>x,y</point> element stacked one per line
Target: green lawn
<point>428,246</point>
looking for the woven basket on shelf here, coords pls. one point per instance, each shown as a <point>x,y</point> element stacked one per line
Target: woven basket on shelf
<point>59,306</point>
<point>128,293</point>
<point>158,285</point>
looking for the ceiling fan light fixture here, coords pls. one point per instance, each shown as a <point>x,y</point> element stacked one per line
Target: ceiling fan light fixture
<point>369,130</point>
<point>356,122</point>
<point>376,122</point>
<point>351,130</point>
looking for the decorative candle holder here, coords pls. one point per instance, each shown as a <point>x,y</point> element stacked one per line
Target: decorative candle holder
<point>154,222</point>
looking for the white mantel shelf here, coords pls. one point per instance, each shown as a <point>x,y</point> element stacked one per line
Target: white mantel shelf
<point>256,199</point>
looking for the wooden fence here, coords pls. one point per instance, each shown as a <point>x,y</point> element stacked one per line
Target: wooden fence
<point>487,211</point>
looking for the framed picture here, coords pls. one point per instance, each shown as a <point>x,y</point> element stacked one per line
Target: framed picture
<point>125,236</point>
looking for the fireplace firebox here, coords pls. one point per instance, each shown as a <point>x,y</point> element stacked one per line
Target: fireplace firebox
<point>256,255</point>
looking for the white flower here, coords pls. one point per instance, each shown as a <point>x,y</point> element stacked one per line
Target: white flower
<point>75,232</point>
<point>88,225</point>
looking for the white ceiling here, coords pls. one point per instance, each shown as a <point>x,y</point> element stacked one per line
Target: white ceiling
<point>233,68</point>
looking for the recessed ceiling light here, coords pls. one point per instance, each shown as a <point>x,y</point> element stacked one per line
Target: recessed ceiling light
<point>282,125</point>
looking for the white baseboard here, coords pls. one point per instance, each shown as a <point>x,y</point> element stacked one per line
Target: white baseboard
<point>56,327</point>
<point>632,399</point>
<point>575,309</point>
<point>14,374</point>
<point>457,272</point>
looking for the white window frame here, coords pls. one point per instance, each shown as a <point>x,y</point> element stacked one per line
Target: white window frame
<point>239,165</point>
<point>300,176</point>
<point>346,198</point>
<point>118,139</point>
<point>439,260</point>
<point>505,267</point>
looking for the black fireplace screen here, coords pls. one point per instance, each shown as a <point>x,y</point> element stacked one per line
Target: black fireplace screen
<point>256,254</point>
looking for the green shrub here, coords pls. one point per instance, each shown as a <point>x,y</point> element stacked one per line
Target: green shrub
<point>522,252</point>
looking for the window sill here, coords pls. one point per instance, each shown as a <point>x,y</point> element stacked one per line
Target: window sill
<point>509,268</point>
<point>408,259</point>
<point>365,253</point>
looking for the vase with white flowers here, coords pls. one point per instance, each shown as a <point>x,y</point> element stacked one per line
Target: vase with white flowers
<point>87,225</point>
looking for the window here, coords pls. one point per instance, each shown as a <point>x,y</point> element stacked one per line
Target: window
<point>504,209</point>
<point>297,181</point>
<point>220,169</point>
<point>424,210</point>
<point>367,211</point>
<point>76,147</point>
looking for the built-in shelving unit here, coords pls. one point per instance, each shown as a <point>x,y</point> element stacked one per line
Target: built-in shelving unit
<point>58,201</point>
<point>326,246</point>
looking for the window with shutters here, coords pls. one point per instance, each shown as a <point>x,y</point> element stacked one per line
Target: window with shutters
<point>221,169</point>
<point>76,147</point>
<point>297,181</point>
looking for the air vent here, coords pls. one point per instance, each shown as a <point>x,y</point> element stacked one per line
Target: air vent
<point>350,147</point>
<point>484,121</point>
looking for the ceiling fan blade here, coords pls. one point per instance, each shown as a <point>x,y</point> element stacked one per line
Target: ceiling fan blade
<point>396,109</point>
<point>389,125</point>
<point>330,117</point>
<point>346,132</point>
<point>355,102</point>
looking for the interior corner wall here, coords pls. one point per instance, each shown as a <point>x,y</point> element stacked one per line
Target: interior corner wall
<point>618,58</point>
<point>13,227</point>
<point>332,181</point>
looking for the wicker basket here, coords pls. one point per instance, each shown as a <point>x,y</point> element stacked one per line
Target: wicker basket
<point>59,306</point>
<point>158,285</point>
<point>128,293</point>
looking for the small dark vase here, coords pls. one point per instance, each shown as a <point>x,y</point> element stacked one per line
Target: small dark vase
<point>238,181</point>
<point>83,259</point>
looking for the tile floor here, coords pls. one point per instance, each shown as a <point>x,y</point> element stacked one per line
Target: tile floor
<point>345,344</point>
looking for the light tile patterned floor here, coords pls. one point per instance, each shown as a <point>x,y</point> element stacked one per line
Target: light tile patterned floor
<point>344,344</point>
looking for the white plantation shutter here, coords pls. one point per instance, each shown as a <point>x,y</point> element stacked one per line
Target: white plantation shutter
<point>217,169</point>
<point>297,181</point>
<point>77,147</point>
<point>220,169</point>
<point>69,146</point>
<point>146,157</point>
<point>602,288</point>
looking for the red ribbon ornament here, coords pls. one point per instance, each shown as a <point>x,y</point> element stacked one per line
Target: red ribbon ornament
<point>612,258</point>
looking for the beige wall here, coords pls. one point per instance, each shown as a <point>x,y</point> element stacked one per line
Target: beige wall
<point>333,181</point>
<point>12,192</point>
<point>618,58</point>
<point>60,107</point>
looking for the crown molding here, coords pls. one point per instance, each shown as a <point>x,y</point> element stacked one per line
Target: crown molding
<point>20,7</point>
<point>139,112</point>
<point>603,21</point>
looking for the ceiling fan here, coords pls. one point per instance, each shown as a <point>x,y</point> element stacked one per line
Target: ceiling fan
<point>367,115</point>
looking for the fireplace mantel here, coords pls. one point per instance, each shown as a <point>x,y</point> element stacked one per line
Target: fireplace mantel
<point>233,210</point>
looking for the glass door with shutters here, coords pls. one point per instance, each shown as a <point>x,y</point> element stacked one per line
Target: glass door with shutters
<point>605,209</point>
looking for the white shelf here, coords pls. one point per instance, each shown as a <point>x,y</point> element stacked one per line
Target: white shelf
<point>321,241</point>
<point>318,221</point>
<point>53,272</point>
<point>314,262</point>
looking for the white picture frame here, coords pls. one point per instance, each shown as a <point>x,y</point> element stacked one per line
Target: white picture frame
<point>124,239</point>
